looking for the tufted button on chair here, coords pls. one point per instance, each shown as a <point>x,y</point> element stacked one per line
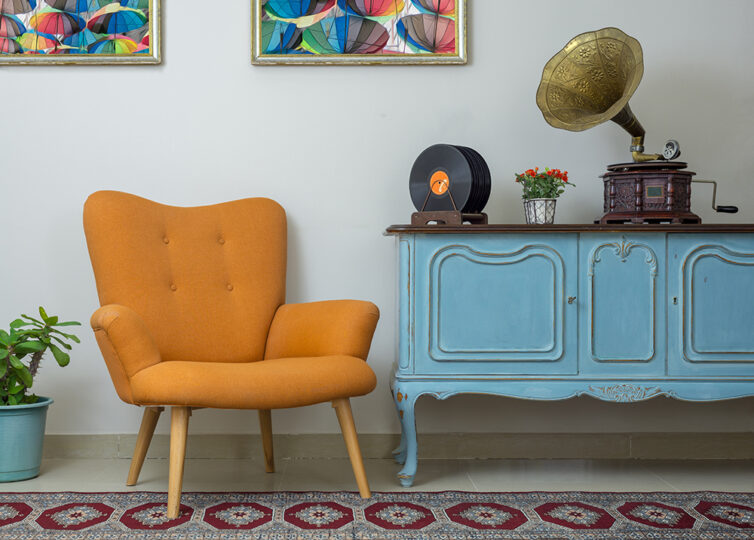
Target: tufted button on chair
<point>193,315</point>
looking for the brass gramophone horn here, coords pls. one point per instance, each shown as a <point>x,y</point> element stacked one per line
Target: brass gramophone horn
<point>590,81</point>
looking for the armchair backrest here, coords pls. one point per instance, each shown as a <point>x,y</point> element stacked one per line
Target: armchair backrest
<point>206,280</point>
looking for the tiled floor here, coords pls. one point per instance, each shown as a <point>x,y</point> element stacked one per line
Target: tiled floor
<point>433,475</point>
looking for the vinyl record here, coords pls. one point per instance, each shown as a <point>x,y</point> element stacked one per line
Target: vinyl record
<point>447,177</point>
<point>475,175</point>
<point>481,189</point>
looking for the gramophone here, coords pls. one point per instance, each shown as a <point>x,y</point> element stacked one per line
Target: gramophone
<point>591,81</point>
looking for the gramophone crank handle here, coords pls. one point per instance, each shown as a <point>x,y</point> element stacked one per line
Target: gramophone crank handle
<point>725,209</point>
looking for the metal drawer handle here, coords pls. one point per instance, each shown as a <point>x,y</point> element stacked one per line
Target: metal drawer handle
<point>571,299</point>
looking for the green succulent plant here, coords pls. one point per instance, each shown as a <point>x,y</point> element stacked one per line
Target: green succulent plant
<point>21,352</point>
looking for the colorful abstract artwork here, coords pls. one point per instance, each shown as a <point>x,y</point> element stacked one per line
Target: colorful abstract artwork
<point>359,31</point>
<point>79,31</point>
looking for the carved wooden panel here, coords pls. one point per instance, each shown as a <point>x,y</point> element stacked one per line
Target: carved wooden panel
<point>718,305</point>
<point>622,301</point>
<point>496,305</point>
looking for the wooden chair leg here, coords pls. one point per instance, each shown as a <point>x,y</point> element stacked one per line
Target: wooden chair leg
<point>148,423</point>
<point>345,417</point>
<point>265,426</point>
<point>178,429</point>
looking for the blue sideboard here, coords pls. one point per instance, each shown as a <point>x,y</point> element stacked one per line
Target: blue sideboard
<point>618,312</point>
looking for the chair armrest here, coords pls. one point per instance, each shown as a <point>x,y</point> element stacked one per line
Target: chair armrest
<point>126,345</point>
<point>335,327</point>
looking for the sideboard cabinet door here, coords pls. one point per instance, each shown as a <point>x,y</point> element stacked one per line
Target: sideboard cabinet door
<point>622,304</point>
<point>711,304</point>
<point>495,304</point>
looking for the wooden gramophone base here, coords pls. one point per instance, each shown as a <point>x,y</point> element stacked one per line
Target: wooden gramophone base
<point>648,217</point>
<point>649,192</point>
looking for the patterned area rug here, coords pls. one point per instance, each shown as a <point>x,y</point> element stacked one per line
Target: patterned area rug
<point>449,515</point>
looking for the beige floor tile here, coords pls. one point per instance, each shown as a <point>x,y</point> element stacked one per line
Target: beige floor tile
<point>75,475</point>
<point>563,475</point>
<point>110,475</point>
<point>432,475</point>
<point>217,475</point>
<point>708,475</point>
<point>336,475</point>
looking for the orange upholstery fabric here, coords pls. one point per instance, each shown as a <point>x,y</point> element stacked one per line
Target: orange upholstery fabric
<point>189,297</point>
<point>323,328</point>
<point>126,345</point>
<point>272,384</point>
<point>206,280</point>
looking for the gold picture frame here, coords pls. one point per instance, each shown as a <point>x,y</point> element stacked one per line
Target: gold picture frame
<point>44,35</point>
<point>402,33</point>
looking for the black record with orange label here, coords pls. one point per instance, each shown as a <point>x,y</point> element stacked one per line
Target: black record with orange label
<point>449,177</point>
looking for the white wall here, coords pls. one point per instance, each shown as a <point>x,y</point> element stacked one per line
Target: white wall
<point>334,145</point>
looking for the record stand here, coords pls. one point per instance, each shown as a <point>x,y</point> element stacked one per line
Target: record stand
<point>449,185</point>
<point>448,217</point>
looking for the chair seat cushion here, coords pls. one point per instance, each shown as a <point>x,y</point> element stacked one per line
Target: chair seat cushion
<point>269,384</point>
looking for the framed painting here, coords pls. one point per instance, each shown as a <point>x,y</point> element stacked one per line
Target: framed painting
<point>358,32</point>
<point>79,31</point>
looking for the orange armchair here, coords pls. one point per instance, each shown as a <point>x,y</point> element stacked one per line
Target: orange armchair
<point>193,316</point>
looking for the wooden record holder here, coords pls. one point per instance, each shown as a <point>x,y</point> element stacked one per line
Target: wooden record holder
<point>447,217</point>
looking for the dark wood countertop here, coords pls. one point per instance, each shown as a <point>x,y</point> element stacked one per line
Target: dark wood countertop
<point>571,228</point>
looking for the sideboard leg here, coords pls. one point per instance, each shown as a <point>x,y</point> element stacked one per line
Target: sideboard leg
<point>399,453</point>
<point>408,438</point>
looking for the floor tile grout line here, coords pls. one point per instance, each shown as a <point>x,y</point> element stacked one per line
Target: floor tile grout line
<point>660,478</point>
<point>279,481</point>
<point>467,472</point>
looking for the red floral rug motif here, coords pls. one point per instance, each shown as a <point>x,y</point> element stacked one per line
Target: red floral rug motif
<point>449,515</point>
<point>74,516</point>
<point>238,515</point>
<point>13,513</point>
<point>656,514</point>
<point>319,515</point>
<point>154,516</point>
<point>486,516</point>
<point>732,514</point>
<point>575,515</point>
<point>398,515</point>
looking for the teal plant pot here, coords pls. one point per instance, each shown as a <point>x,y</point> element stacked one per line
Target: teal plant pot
<point>23,429</point>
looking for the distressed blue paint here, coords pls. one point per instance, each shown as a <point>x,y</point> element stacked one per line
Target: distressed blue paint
<point>510,279</point>
<point>718,311</point>
<point>622,304</point>
<point>713,279</point>
<point>463,293</point>
<point>652,314</point>
<point>405,297</point>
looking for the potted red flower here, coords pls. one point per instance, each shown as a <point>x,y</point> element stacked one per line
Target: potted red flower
<point>541,190</point>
